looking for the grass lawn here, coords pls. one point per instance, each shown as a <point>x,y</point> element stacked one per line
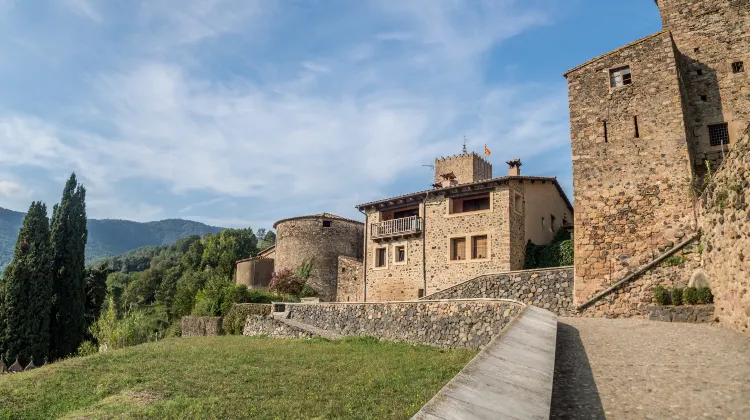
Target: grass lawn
<point>236,377</point>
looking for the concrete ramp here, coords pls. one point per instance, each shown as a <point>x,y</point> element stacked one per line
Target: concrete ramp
<point>510,379</point>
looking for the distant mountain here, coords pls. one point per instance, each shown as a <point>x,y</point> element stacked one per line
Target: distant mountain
<point>108,237</point>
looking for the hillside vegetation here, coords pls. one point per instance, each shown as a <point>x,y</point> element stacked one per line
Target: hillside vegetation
<point>108,237</point>
<point>236,377</point>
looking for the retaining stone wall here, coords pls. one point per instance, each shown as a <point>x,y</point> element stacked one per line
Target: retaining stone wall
<point>688,313</point>
<point>200,325</point>
<point>551,288</point>
<point>447,324</point>
<point>268,326</point>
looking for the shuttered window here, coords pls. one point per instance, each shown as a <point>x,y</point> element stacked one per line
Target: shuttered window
<point>458,249</point>
<point>479,247</point>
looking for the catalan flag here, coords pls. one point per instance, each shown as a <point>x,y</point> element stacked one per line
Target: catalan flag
<point>487,151</point>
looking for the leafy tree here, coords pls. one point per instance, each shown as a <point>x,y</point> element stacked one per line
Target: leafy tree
<point>266,238</point>
<point>223,250</point>
<point>96,290</point>
<point>68,239</point>
<point>26,291</point>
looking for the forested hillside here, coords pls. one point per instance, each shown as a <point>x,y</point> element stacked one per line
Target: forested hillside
<point>108,237</point>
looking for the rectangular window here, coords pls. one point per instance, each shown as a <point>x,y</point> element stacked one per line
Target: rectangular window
<point>517,203</point>
<point>400,253</point>
<point>420,293</point>
<point>326,223</point>
<point>620,77</point>
<point>738,67</point>
<point>635,125</point>
<point>469,204</point>
<point>604,125</point>
<point>704,98</point>
<point>479,247</point>
<point>718,134</point>
<point>381,257</point>
<point>458,249</point>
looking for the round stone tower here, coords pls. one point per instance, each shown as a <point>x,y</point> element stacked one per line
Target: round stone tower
<point>321,238</point>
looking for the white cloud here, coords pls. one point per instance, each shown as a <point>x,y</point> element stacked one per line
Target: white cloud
<point>9,189</point>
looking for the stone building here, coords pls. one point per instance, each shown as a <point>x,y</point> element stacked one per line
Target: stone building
<point>319,238</point>
<point>644,120</point>
<point>469,224</point>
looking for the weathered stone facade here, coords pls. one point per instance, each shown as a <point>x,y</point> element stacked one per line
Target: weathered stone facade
<point>500,225</point>
<point>551,289</point>
<point>726,238</point>
<point>638,141</point>
<point>266,325</point>
<point>466,167</point>
<point>321,238</point>
<point>350,286</point>
<point>449,324</point>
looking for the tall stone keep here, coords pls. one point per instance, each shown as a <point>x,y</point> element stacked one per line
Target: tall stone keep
<point>465,168</point>
<point>644,119</point>
<point>322,239</point>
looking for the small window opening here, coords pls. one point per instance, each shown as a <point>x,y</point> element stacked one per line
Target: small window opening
<point>380,257</point>
<point>604,124</point>
<point>326,223</point>
<point>696,49</point>
<point>635,125</point>
<point>544,222</point>
<point>420,293</point>
<point>458,249</point>
<point>699,72</point>
<point>718,134</point>
<point>347,298</point>
<point>479,247</point>
<point>400,253</point>
<point>518,203</point>
<point>343,269</point>
<point>704,98</point>
<point>738,67</point>
<point>551,222</point>
<point>620,77</point>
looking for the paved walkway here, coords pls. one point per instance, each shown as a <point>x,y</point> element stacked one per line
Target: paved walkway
<point>636,369</point>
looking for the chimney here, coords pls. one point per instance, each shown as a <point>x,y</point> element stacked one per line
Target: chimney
<point>514,167</point>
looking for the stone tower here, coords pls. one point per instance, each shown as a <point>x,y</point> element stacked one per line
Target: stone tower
<point>461,169</point>
<point>643,119</point>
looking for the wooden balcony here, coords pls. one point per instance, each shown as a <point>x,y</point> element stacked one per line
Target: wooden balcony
<point>396,227</point>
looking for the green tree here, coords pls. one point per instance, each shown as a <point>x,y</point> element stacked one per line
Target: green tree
<point>26,291</point>
<point>96,291</point>
<point>68,239</point>
<point>266,238</point>
<point>224,249</point>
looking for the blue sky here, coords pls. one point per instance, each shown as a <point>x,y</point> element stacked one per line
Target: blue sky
<point>241,112</point>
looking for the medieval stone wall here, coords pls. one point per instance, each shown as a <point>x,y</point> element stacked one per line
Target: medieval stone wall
<point>467,167</point>
<point>449,324</point>
<point>200,326</point>
<point>302,239</point>
<point>726,236</point>
<point>632,193</point>
<point>710,35</point>
<point>550,288</point>
<point>350,285</point>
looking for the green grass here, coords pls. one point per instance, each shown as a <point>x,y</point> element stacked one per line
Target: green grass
<point>236,377</point>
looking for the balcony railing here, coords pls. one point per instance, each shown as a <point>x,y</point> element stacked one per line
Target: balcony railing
<point>396,227</point>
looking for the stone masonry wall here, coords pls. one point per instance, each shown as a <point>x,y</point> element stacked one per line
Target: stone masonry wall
<point>551,289</point>
<point>350,286</point>
<point>266,325</point>
<point>301,239</point>
<point>632,194</point>
<point>467,167</point>
<point>726,236</point>
<point>710,35</point>
<point>200,326</point>
<point>448,324</point>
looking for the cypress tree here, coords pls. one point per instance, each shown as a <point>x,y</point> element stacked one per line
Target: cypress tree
<point>26,291</point>
<point>68,240</point>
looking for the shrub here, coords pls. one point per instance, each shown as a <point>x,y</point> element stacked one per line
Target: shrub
<point>134,327</point>
<point>705,295</point>
<point>234,321</point>
<point>690,295</point>
<point>307,291</point>
<point>660,295</point>
<point>286,282</point>
<point>87,348</point>
<point>674,260</point>
<point>676,296</point>
<point>304,270</point>
<point>558,253</point>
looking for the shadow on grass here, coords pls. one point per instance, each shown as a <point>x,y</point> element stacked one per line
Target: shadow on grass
<point>574,392</point>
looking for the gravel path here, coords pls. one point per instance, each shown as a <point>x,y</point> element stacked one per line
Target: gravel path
<point>637,369</point>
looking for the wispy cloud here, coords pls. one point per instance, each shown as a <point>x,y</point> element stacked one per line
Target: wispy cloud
<point>84,8</point>
<point>8,188</point>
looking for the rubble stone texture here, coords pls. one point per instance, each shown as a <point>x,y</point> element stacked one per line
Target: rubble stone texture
<point>633,187</point>
<point>551,289</point>
<point>200,326</point>
<point>448,324</point>
<point>350,286</point>
<point>726,236</point>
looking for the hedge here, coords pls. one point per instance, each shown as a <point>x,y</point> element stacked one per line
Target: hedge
<point>234,321</point>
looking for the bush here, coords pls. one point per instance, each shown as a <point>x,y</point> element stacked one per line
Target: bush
<point>705,296</point>
<point>87,348</point>
<point>234,321</point>
<point>676,296</point>
<point>558,253</point>
<point>660,295</point>
<point>690,295</point>
<point>287,283</point>
<point>134,327</point>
